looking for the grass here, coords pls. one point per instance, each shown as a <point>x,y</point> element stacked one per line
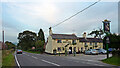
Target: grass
<point>8,59</point>
<point>36,52</point>
<point>115,60</point>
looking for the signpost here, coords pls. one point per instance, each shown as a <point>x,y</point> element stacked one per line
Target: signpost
<point>106,28</point>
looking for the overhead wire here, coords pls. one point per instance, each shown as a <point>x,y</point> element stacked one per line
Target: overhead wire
<point>75,14</point>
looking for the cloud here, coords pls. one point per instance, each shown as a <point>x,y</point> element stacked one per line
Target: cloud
<point>11,34</point>
<point>58,0</point>
<point>46,11</point>
<point>33,16</point>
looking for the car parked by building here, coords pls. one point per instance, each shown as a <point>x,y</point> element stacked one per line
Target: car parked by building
<point>111,49</point>
<point>91,51</point>
<point>101,51</point>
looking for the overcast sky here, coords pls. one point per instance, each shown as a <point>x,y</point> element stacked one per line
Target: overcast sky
<point>20,16</point>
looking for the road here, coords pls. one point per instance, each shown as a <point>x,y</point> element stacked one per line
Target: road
<point>30,59</point>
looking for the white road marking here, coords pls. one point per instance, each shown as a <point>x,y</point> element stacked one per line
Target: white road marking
<point>50,63</point>
<point>35,57</point>
<point>89,62</point>
<point>92,60</point>
<point>94,64</point>
<point>17,61</point>
<point>76,61</point>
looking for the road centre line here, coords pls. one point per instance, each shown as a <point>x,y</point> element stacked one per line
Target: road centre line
<point>50,63</point>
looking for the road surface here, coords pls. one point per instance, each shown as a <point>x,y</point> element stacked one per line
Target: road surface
<point>36,60</point>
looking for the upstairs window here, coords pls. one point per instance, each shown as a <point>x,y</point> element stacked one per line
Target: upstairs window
<point>95,43</point>
<point>74,42</point>
<point>85,43</point>
<point>90,43</point>
<point>59,41</point>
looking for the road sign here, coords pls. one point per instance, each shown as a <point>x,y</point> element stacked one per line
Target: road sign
<point>106,25</point>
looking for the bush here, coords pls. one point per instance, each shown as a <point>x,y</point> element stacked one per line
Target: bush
<point>37,50</point>
<point>116,53</point>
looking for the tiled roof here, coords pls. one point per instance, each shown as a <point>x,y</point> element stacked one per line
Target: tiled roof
<point>81,39</point>
<point>64,36</point>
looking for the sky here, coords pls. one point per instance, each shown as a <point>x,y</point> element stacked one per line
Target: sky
<point>17,16</point>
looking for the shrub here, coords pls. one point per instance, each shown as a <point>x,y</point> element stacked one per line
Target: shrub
<point>116,53</point>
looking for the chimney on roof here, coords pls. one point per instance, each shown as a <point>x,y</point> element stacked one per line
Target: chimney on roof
<point>73,34</point>
<point>84,35</point>
<point>50,31</point>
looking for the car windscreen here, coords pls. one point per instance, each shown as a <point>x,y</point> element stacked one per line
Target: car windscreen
<point>93,50</point>
<point>19,50</point>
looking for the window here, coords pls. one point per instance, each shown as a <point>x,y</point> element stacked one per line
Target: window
<point>59,48</point>
<point>59,41</point>
<point>95,43</point>
<point>85,48</point>
<point>90,43</point>
<point>64,41</point>
<point>63,48</point>
<point>74,42</point>
<point>85,43</point>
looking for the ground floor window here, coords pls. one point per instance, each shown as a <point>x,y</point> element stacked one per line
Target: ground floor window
<point>85,48</point>
<point>59,48</point>
<point>63,48</point>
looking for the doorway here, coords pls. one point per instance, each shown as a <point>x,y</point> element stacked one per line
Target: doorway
<point>70,50</point>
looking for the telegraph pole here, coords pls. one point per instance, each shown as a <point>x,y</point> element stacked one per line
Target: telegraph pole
<point>3,40</point>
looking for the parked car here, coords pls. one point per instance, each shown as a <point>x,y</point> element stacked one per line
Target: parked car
<point>101,51</point>
<point>91,51</point>
<point>111,49</point>
<point>19,51</point>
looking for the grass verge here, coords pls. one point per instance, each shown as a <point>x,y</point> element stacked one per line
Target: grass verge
<point>8,60</point>
<point>115,60</point>
<point>36,52</point>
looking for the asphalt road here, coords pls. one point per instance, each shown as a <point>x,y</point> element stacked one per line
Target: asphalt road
<point>30,59</point>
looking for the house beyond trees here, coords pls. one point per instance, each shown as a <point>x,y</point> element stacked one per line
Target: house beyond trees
<point>70,42</point>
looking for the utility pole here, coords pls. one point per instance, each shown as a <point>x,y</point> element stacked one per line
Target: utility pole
<point>3,40</point>
<point>106,25</point>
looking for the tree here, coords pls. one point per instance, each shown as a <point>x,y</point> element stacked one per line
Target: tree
<point>10,45</point>
<point>39,44</point>
<point>41,35</point>
<point>27,40</point>
<point>114,41</point>
<point>97,33</point>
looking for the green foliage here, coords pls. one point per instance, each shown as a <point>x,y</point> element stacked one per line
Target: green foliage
<point>97,33</point>
<point>8,58</point>
<point>27,40</point>
<point>10,45</point>
<point>114,41</point>
<point>114,60</point>
<point>41,35</point>
<point>39,44</point>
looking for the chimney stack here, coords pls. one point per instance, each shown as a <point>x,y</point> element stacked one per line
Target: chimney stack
<point>50,31</point>
<point>84,35</point>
